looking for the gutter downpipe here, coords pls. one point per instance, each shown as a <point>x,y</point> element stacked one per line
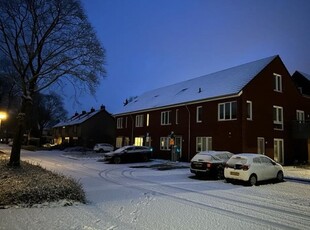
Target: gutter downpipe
<point>189,134</point>
<point>132,124</point>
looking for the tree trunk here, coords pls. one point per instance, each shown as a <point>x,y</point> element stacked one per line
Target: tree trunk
<point>19,133</point>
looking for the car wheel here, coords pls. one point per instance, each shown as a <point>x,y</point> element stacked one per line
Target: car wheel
<point>280,176</point>
<point>117,160</point>
<point>220,172</point>
<point>228,180</point>
<point>145,158</point>
<point>101,151</point>
<point>253,180</point>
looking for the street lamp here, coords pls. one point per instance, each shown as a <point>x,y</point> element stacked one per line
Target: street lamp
<point>3,116</point>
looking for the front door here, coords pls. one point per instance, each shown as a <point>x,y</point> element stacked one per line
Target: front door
<point>178,143</point>
<point>278,148</point>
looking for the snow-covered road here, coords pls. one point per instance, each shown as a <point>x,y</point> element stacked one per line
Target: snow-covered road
<point>122,197</point>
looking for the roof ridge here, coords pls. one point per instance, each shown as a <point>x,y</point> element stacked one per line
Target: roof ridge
<point>229,81</point>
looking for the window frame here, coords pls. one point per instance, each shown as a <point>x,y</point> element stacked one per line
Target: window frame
<point>139,121</point>
<point>119,123</point>
<point>203,144</point>
<point>300,116</point>
<point>164,143</point>
<point>278,110</point>
<point>223,114</point>
<point>278,87</point>
<point>249,113</point>
<point>199,114</point>
<point>165,118</point>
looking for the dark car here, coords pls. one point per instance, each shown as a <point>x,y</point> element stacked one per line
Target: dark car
<point>210,163</point>
<point>129,153</point>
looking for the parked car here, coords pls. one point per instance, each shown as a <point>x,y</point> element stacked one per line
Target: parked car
<point>251,167</point>
<point>129,153</point>
<point>103,147</point>
<point>210,163</point>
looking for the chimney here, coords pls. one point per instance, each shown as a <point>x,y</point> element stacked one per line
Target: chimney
<point>83,112</point>
<point>102,107</point>
<point>92,110</point>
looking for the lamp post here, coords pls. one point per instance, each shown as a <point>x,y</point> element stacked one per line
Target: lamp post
<point>3,116</point>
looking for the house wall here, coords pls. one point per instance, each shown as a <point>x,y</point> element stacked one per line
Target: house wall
<point>100,128</point>
<point>237,135</point>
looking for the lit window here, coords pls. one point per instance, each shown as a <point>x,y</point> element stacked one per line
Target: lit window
<point>164,143</point>
<point>278,117</point>
<point>147,119</point>
<point>227,111</point>
<point>138,141</point>
<point>165,118</point>
<point>249,110</point>
<point>277,82</point>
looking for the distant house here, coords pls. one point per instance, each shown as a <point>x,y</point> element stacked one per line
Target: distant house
<point>247,108</point>
<point>86,129</point>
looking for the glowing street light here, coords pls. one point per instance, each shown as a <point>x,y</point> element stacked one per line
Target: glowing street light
<point>3,116</point>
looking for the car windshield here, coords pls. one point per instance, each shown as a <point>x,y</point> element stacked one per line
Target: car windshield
<point>206,156</point>
<point>120,149</point>
<point>237,160</point>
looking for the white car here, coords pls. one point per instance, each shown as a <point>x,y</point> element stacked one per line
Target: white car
<point>251,167</point>
<point>103,147</point>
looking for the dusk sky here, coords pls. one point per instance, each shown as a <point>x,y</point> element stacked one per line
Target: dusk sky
<point>155,43</point>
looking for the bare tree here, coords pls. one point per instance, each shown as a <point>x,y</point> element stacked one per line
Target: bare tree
<point>48,110</point>
<point>47,42</point>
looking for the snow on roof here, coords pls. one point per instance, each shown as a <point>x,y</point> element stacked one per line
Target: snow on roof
<point>78,118</point>
<point>305,75</point>
<point>223,83</point>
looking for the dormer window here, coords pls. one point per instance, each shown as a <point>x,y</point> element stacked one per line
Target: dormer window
<point>277,82</point>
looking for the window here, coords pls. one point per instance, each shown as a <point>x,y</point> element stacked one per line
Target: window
<point>199,114</point>
<point>278,117</point>
<point>249,110</point>
<point>278,150</point>
<point>177,116</point>
<point>165,118</point>
<point>227,111</point>
<point>138,141</point>
<point>164,143</point>
<point>277,82</point>
<point>203,144</point>
<point>139,120</point>
<point>119,142</point>
<point>147,119</point>
<point>261,145</point>
<point>119,123</point>
<point>300,116</point>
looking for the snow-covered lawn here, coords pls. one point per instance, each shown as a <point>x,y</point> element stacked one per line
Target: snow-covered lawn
<point>126,197</point>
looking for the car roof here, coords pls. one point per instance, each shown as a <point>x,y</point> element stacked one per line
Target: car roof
<point>213,152</point>
<point>249,155</point>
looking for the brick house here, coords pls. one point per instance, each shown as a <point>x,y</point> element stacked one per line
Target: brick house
<point>86,129</point>
<point>247,108</point>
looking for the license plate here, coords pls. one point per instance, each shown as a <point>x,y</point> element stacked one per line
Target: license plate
<point>198,165</point>
<point>234,173</point>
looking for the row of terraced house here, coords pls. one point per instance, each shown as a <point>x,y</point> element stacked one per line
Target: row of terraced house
<point>255,107</point>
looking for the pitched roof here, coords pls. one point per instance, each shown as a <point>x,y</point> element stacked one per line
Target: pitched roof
<point>307,76</point>
<point>223,83</point>
<point>78,118</point>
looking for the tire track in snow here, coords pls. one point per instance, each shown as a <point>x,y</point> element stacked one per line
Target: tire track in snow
<point>169,191</point>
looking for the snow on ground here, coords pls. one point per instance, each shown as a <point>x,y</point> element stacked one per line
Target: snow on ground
<point>123,197</point>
